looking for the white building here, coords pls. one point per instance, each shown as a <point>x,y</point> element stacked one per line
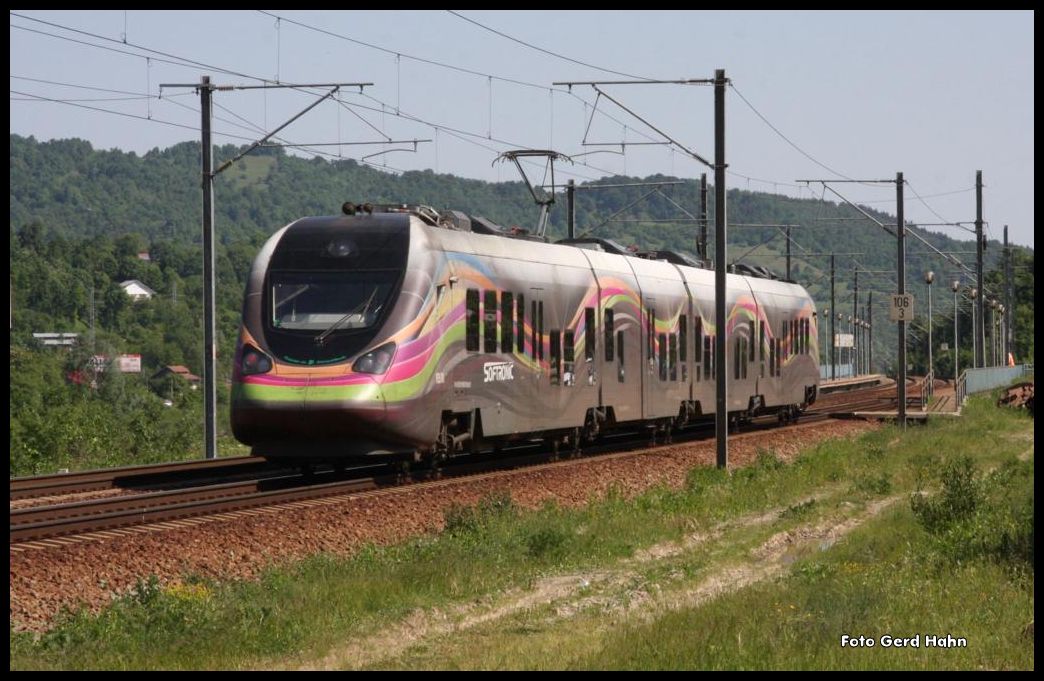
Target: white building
<point>137,290</point>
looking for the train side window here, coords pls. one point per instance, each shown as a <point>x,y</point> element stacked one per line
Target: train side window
<point>521,324</point>
<point>507,322</point>
<point>761,346</point>
<point>661,343</point>
<point>709,356</point>
<point>650,333</point>
<point>608,323</point>
<point>698,335</point>
<point>620,349</point>
<point>736,359</point>
<point>808,327</point>
<point>540,332</point>
<point>589,334</point>
<point>568,375</point>
<point>533,326</point>
<point>556,355</point>
<point>748,347</point>
<point>472,331</point>
<point>672,355</point>
<point>779,357</point>
<point>489,312</point>
<point>772,358</point>
<point>683,339</point>
<point>750,343</point>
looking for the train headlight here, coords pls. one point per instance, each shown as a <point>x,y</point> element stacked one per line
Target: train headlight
<point>254,361</point>
<point>375,361</point>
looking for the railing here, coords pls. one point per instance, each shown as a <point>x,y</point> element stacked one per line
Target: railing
<point>962,388</point>
<point>927,389</point>
<point>988,378</point>
<point>842,371</point>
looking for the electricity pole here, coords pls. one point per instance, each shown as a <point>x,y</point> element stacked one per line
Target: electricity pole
<point>901,256</point>
<point>720,242</point>
<point>1008,302</point>
<point>980,329</point>
<point>703,218</point>
<point>209,321</point>
<point>571,208</point>
<point>206,90</point>
<point>833,338</point>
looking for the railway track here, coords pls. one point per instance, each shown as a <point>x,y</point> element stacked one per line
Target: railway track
<point>130,476</point>
<point>262,488</point>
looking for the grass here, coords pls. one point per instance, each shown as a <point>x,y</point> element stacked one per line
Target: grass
<point>251,171</point>
<point>893,575</point>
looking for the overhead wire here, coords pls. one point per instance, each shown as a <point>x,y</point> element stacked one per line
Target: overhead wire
<point>432,62</point>
<point>545,51</point>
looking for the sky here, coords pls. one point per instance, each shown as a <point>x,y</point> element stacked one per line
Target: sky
<point>813,95</point>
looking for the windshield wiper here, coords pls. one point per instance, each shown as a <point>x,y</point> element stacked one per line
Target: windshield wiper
<point>290,297</point>
<point>321,338</point>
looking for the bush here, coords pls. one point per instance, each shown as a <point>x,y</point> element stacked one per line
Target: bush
<point>960,496</point>
<point>990,519</point>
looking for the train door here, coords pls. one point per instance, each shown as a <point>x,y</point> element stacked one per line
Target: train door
<point>650,358</point>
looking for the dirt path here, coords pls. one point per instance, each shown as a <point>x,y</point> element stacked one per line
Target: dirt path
<point>612,590</point>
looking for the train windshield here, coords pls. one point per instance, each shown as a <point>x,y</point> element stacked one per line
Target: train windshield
<point>329,302</point>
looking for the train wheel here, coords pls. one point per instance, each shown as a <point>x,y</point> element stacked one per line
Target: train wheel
<point>552,444</point>
<point>575,450</point>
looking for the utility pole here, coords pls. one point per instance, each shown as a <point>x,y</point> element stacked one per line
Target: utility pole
<point>901,270</point>
<point>209,322</point>
<point>869,332</point>
<point>855,312</point>
<point>1008,302</point>
<point>833,309</point>
<point>720,237</point>
<point>721,260</point>
<point>789,278</point>
<point>979,331</point>
<point>206,91</point>
<point>571,208</point>
<point>702,247</point>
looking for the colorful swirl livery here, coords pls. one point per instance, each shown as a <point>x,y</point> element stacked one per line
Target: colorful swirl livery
<point>400,332</point>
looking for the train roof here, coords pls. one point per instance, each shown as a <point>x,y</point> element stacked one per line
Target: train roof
<point>454,220</point>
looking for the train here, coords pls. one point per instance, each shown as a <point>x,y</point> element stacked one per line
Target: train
<point>414,334</point>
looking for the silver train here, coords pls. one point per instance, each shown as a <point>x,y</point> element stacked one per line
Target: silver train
<point>403,332</point>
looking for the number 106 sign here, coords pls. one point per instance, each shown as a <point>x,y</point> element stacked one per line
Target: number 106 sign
<point>902,309</point>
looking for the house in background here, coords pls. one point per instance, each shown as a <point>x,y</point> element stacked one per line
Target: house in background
<point>178,370</point>
<point>137,290</point>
